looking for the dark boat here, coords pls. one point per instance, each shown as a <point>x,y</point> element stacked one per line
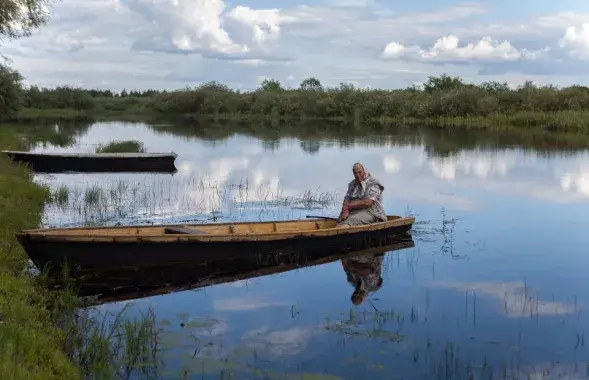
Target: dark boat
<point>101,248</point>
<point>48,162</point>
<point>126,284</point>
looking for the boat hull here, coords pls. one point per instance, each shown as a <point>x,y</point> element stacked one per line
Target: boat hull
<point>129,162</point>
<point>53,255</point>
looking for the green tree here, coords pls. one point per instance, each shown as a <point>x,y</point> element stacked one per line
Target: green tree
<point>442,83</point>
<point>18,18</point>
<point>10,91</point>
<point>214,86</point>
<point>270,85</point>
<point>311,84</point>
<point>495,87</point>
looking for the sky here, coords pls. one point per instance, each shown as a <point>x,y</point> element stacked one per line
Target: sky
<point>171,44</point>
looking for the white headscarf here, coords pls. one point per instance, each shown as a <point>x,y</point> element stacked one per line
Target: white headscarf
<point>363,182</point>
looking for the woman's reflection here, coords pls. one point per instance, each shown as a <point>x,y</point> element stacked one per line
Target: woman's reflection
<point>364,272</point>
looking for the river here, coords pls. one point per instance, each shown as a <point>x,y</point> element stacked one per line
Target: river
<point>495,285</point>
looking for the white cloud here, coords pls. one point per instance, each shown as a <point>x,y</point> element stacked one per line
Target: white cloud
<point>448,48</point>
<point>189,25</point>
<point>577,40</point>
<point>265,24</point>
<point>173,43</point>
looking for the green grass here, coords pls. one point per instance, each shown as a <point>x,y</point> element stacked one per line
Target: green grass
<point>570,121</point>
<point>127,146</point>
<point>28,115</point>
<point>42,334</point>
<point>31,342</point>
<point>65,113</point>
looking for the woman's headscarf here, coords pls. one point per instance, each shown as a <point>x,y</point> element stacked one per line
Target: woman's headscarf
<point>363,167</point>
<point>366,172</point>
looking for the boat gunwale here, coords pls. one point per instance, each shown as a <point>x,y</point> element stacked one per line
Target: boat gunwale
<point>38,234</point>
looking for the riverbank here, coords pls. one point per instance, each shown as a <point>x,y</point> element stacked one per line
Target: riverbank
<point>562,121</point>
<point>32,344</point>
<point>31,115</point>
<point>47,333</point>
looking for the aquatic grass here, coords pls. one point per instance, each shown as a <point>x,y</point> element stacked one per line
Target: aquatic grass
<point>197,198</point>
<point>310,200</point>
<point>127,146</point>
<point>61,196</point>
<point>93,195</point>
<point>114,345</point>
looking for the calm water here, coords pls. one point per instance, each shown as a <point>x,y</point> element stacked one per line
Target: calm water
<point>495,286</point>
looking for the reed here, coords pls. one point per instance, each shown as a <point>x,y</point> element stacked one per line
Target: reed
<point>109,345</point>
<point>199,198</point>
<point>61,196</point>
<point>127,146</point>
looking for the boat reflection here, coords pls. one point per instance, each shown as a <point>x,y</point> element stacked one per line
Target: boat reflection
<point>362,267</point>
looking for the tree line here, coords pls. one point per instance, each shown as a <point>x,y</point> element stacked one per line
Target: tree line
<point>441,96</point>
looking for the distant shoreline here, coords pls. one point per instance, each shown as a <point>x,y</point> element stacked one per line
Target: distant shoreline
<point>442,101</point>
<point>564,121</point>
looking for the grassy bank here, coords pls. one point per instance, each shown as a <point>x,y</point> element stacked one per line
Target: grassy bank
<point>444,100</point>
<point>32,344</point>
<point>32,115</point>
<point>47,334</point>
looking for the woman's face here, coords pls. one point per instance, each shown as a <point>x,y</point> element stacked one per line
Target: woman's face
<point>359,173</point>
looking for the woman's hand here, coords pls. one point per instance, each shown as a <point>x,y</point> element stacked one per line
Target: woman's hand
<point>344,215</point>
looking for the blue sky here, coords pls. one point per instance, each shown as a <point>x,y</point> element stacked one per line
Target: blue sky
<point>141,44</point>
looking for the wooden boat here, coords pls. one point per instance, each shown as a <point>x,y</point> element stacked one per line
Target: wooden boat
<point>91,248</point>
<point>50,162</point>
<point>123,284</point>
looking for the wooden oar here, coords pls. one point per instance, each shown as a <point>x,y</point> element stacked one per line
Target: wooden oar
<point>320,217</point>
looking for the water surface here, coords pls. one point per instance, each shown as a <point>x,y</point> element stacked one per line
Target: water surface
<point>495,286</point>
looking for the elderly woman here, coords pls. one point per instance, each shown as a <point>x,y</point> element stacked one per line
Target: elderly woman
<point>363,201</point>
